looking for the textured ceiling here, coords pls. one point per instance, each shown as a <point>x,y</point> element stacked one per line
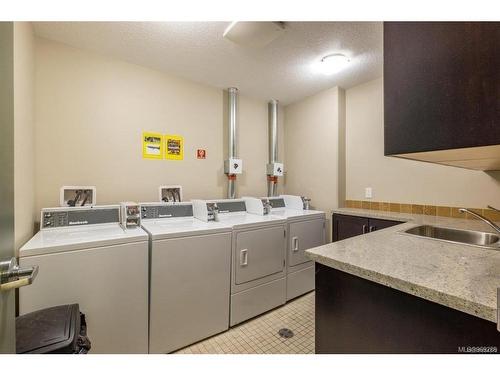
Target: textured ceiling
<point>197,51</point>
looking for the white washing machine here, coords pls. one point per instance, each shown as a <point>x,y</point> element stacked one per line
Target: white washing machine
<point>306,229</point>
<point>86,257</point>
<point>190,276</point>
<point>258,278</point>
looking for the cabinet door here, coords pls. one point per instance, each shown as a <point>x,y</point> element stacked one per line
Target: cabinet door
<point>376,224</point>
<point>441,85</point>
<point>304,235</point>
<point>259,253</point>
<point>345,226</point>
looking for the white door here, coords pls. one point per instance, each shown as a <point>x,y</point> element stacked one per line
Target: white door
<point>259,253</point>
<point>304,235</point>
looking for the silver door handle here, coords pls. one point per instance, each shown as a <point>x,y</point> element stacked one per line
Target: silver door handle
<point>295,244</point>
<point>244,257</point>
<point>12,276</point>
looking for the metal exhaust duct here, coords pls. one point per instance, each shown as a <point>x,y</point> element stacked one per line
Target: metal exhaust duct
<point>274,169</point>
<point>232,111</point>
<point>233,107</point>
<point>273,130</point>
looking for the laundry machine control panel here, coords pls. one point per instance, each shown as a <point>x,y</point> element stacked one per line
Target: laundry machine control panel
<point>275,202</point>
<point>75,216</point>
<point>165,210</point>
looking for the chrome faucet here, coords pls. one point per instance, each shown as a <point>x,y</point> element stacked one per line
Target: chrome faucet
<point>493,208</point>
<point>267,207</point>
<point>306,203</point>
<point>481,217</point>
<point>213,212</point>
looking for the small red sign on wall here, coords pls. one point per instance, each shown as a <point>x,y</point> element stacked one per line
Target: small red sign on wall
<point>201,154</point>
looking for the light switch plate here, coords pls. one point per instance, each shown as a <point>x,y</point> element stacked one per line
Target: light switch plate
<point>368,193</point>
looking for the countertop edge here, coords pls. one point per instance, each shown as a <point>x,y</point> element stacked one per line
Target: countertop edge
<point>454,302</point>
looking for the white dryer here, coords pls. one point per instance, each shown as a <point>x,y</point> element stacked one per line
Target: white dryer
<point>190,276</point>
<point>258,281</point>
<point>86,257</point>
<point>306,229</point>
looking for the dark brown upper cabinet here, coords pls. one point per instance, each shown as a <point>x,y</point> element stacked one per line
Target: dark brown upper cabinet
<point>442,92</point>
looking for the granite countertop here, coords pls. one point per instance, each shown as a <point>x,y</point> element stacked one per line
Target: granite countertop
<point>462,277</point>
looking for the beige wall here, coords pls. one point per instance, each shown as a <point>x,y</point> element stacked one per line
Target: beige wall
<point>313,137</point>
<point>399,180</point>
<point>91,111</point>
<point>24,171</point>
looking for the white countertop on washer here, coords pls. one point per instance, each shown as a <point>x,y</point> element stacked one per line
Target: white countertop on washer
<point>289,213</point>
<point>80,237</point>
<point>181,227</point>
<point>243,219</point>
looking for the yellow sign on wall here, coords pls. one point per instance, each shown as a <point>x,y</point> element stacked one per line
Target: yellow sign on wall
<point>174,147</point>
<point>152,145</point>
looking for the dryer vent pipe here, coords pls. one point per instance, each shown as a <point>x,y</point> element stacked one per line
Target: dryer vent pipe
<point>272,180</point>
<point>232,111</point>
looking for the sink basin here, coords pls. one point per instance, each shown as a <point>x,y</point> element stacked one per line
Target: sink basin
<point>468,237</point>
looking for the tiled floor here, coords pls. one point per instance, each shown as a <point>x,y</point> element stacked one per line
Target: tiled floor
<point>260,335</point>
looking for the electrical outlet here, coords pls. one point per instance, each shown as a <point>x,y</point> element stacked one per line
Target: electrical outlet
<point>368,193</point>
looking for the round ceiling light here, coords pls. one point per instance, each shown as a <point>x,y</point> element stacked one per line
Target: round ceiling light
<point>334,63</point>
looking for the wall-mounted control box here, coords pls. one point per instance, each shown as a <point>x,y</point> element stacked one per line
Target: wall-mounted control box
<point>130,214</point>
<point>77,196</point>
<point>233,166</point>
<point>274,169</point>
<point>170,193</point>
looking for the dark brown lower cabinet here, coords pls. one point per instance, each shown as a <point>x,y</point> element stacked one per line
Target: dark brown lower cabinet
<point>354,315</point>
<point>345,226</point>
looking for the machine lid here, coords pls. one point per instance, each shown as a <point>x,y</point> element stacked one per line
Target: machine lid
<point>290,213</point>
<point>80,237</point>
<point>244,219</point>
<point>182,227</point>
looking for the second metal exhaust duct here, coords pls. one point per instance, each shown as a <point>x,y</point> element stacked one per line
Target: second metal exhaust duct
<point>274,169</point>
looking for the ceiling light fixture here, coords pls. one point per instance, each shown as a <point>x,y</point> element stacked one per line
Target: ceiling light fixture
<point>253,34</point>
<point>334,63</point>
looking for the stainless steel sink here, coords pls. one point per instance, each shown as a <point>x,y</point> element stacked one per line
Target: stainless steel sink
<point>468,237</point>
